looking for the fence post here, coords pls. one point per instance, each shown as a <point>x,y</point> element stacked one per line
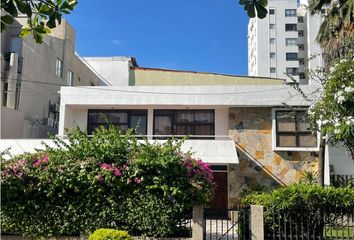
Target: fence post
<point>256,222</point>
<point>198,226</point>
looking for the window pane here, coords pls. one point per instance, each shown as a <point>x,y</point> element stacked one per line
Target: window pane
<point>118,117</point>
<point>98,117</point>
<point>204,117</point>
<point>123,127</point>
<point>204,130</point>
<point>291,41</point>
<point>184,117</point>
<point>162,125</point>
<point>285,121</point>
<point>138,123</point>
<point>286,140</point>
<point>290,27</point>
<point>291,57</point>
<point>307,140</point>
<point>303,122</point>
<point>183,130</point>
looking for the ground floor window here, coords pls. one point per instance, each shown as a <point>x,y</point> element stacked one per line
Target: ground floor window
<point>293,129</point>
<point>184,122</point>
<point>123,119</point>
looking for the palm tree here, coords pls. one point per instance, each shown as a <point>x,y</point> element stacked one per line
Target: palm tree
<point>336,33</point>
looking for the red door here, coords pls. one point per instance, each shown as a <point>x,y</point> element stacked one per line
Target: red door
<point>220,198</point>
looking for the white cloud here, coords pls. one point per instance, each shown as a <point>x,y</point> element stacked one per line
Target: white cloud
<point>116,42</point>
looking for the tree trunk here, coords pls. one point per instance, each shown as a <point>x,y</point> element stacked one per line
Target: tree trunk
<point>321,163</point>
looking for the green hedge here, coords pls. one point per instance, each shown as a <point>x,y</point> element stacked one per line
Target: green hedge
<point>109,234</point>
<point>309,207</point>
<point>107,180</point>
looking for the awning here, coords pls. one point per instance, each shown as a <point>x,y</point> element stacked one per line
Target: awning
<point>210,151</point>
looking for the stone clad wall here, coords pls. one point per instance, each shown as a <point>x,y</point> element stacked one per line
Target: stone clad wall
<point>251,129</point>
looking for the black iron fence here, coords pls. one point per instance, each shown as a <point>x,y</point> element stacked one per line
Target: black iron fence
<point>342,180</point>
<point>324,224</point>
<point>230,223</point>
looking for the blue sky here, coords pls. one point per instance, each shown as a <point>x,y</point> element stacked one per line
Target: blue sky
<point>197,35</point>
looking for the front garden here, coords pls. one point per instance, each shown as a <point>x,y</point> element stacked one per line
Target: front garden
<point>109,180</point>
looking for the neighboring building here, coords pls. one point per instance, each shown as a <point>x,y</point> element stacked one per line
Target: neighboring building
<point>31,76</point>
<point>284,42</point>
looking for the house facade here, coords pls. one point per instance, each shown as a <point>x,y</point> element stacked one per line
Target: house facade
<point>239,125</point>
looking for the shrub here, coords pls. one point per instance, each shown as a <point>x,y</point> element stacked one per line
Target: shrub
<point>109,180</point>
<point>308,205</point>
<point>109,234</point>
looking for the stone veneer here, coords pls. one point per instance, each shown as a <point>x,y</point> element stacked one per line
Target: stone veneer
<point>251,129</point>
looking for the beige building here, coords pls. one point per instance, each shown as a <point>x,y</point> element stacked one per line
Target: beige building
<point>31,76</point>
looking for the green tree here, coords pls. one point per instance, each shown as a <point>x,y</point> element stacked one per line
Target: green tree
<point>336,33</point>
<point>42,15</point>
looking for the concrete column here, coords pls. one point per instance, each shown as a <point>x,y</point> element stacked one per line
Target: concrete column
<point>150,122</point>
<point>198,226</point>
<point>256,222</point>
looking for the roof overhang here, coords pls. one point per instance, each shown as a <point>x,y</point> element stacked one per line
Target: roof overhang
<point>228,96</point>
<point>210,151</point>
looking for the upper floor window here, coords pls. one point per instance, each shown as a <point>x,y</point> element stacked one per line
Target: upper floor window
<point>124,119</point>
<point>290,12</point>
<point>70,78</point>
<point>272,40</point>
<point>184,122</point>
<point>290,27</point>
<point>272,55</point>
<point>300,19</point>
<point>272,70</point>
<point>291,57</point>
<point>301,33</point>
<point>272,26</point>
<point>59,68</point>
<point>292,130</point>
<point>291,41</point>
<point>292,71</point>
<point>271,11</point>
<point>301,47</point>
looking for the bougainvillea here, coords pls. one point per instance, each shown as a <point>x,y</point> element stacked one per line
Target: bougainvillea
<point>107,180</point>
<point>333,112</point>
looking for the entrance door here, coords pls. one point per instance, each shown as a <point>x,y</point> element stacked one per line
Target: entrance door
<point>220,198</point>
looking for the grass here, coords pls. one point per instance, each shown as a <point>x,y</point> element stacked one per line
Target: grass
<point>341,232</point>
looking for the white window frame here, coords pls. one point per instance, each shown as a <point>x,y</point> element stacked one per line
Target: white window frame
<point>70,78</point>
<point>59,67</point>
<point>294,149</point>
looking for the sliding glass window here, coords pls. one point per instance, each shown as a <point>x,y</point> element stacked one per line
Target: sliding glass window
<point>124,119</point>
<point>184,122</point>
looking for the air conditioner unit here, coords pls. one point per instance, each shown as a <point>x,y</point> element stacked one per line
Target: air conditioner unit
<point>56,124</point>
<point>50,122</point>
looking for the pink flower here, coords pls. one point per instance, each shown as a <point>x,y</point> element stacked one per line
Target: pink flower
<point>100,178</point>
<point>129,180</point>
<point>116,172</point>
<point>45,158</point>
<point>37,163</point>
<point>137,180</point>
<point>106,166</point>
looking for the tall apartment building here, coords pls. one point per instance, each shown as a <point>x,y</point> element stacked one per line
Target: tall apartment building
<point>31,77</point>
<point>284,42</point>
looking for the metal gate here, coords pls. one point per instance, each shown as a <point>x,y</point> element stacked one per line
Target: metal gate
<point>232,223</point>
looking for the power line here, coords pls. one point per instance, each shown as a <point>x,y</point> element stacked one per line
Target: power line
<point>180,93</point>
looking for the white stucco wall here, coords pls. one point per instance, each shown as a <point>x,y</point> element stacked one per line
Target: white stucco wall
<point>341,161</point>
<point>11,123</point>
<point>114,71</point>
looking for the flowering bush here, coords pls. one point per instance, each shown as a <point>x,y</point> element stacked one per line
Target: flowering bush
<point>333,113</point>
<point>109,180</point>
